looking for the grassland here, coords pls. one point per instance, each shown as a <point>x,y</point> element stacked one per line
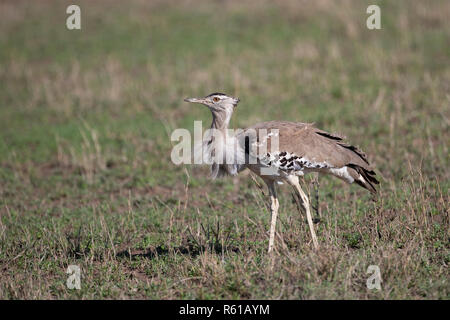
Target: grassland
<point>85,171</point>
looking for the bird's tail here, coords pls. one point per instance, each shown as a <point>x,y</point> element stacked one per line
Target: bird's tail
<point>364,177</point>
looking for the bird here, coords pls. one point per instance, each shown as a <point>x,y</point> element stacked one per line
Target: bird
<point>280,152</point>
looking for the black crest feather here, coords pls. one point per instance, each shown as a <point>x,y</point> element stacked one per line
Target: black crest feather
<point>216,94</point>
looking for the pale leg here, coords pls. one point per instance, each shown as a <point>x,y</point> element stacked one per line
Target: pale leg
<point>293,180</point>
<point>274,204</point>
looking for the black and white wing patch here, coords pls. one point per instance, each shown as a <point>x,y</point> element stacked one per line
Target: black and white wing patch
<point>289,162</point>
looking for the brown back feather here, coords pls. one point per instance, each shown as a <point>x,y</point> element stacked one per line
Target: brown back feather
<point>303,139</point>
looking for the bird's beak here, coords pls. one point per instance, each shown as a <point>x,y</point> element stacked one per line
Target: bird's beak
<point>195,100</point>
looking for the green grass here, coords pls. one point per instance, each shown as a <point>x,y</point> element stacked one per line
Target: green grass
<point>85,171</point>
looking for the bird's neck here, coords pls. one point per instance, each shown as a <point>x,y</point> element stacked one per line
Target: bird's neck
<point>223,153</point>
<point>220,120</point>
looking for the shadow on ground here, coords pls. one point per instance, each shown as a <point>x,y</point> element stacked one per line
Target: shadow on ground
<point>188,250</point>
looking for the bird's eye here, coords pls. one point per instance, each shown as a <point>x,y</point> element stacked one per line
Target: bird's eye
<point>215,99</point>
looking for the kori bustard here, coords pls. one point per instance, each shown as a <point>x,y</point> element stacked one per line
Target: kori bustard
<point>293,149</point>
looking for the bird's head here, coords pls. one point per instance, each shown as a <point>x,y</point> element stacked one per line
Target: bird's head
<point>217,102</point>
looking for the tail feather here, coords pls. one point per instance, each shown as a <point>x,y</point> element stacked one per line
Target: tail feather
<point>364,177</point>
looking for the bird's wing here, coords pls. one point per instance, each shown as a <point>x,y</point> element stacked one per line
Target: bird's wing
<point>306,141</point>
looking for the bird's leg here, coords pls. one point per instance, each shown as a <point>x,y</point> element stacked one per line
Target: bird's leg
<point>274,211</point>
<point>316,186</point>
<point>308,215</point>
<point>293,180</point>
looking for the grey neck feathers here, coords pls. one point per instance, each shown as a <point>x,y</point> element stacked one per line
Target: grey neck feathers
<point>221,119</point>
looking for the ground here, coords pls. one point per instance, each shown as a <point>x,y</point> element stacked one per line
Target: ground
<point>86,177</point>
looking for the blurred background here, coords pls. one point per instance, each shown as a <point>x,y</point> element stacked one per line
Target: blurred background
<point>85,170</point>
